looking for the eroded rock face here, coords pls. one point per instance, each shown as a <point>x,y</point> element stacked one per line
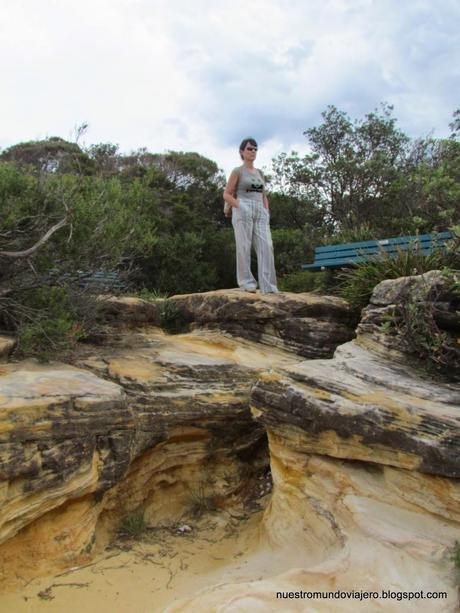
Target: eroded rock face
<point>390,296</point>
<point>365,461</point>
<point>6,346</point>
<point>64,433</point>
<point>305,324</point>
<point>350,527</point>
<point>361,407</point>
<point>148,421</point>
<point>363,449</point>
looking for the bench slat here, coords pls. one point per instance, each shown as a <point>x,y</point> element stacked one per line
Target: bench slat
<point>340,262</point>
<point>347,254</point>
<point>439,237</point>
<point>377,250</point>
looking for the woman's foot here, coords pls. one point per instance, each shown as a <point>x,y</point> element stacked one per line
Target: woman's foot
<point>273,291</point>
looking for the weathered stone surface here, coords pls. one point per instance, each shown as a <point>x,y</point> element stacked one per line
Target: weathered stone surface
<point>6,346</point>
<point>363,450</point>
<point>398,291</point>
<point>55,444</point>
<point>359,406</point>
<point>364,454</point>
<point>390,295</point>
<point>348,526</point>
<point>129,310</point>
<point>151,417</point>
<point>305,324</point>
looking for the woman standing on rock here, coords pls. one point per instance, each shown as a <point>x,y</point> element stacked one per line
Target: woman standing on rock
<point>246,199</point>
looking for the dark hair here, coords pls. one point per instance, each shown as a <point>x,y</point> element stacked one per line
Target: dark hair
<point>244,142</point>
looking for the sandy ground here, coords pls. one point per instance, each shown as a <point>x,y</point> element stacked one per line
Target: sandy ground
<point>148,573</point>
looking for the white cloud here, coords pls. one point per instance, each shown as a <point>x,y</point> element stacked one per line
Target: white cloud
<point>201,76</point>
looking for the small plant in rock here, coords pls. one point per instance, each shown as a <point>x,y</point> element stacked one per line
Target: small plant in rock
<point>455,556</point>
<point>415,323</point>
<point>172,319</point>
<point>133,525</point>
<point>152,294</point>
<point>202,501</point>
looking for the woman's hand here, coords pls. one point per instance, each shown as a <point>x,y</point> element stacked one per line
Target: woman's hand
<point>237,203</point>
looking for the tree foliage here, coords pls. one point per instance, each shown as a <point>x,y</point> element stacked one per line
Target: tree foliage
<point>368,173</point>
<point>156,218</point>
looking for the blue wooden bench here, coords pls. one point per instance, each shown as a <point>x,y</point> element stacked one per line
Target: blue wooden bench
<point>348,254</point>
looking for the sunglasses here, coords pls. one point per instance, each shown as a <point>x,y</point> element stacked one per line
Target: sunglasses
<point>251,148</point>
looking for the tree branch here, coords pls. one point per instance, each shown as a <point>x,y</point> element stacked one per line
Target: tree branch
<point>38,244</point>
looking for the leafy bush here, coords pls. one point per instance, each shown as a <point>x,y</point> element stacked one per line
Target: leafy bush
<point>291,248</point>
<point>356,284</point>
<point>304,281</point>
<point>50,320</point>
<point>356,234</point>
<point>178,264</point>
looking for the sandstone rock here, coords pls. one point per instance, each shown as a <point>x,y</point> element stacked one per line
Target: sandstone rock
<point>388,298</point>
<point>6,346</point>
<point>364,453</point>
<point>161,423</point>
<point>129,311</point>
<point>349,527</point>
<point>397,291</point>
<point>55,444</point>
<point>361,407</point>
<point>363,450</point>
<point>305,324</point>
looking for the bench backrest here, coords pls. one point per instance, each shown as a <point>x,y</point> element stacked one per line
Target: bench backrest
<point>352,253</point>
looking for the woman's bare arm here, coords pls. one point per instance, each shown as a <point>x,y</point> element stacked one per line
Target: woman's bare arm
<point>230,188</point>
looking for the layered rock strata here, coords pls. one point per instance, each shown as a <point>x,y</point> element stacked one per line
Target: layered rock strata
<point>364,453</point>
<point>433,295</point>
<point>308,325</point>
<point>363,448</point>
<point>144,421</point>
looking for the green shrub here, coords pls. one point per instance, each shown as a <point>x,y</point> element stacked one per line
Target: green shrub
<point>50,324</point>
<point>178,263</point>
<point>151,294</point>
<point>363,232</point>
<point>304,281</point>
<point>45,339</point>
<point>356,284</point>
<point>133,525</point>
<point>291,247</point>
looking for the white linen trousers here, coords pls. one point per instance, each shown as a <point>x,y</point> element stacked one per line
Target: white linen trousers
<point>251,224</point>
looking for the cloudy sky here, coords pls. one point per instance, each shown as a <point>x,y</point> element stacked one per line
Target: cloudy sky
<point>201,75</point>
